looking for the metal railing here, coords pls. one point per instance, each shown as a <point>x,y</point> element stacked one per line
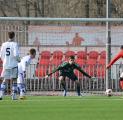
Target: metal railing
<point>39,83</point>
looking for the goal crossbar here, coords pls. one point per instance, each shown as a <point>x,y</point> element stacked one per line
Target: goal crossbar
<point>62,19</point>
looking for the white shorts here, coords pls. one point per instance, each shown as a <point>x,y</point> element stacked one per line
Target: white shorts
<point>9,73</point>
<point>20,78</point>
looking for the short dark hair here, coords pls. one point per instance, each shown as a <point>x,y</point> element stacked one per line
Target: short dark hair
<point>32,51</point>
<point>121,47</point>
<point>72,57</point>
<point>11,34</point>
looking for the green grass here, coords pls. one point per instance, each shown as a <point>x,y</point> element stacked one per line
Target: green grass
<point>60,108</point>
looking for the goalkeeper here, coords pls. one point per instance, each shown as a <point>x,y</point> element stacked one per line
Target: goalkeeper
<point>67,70</point>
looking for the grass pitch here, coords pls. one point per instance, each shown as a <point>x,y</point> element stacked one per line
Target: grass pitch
<point>62,108</point>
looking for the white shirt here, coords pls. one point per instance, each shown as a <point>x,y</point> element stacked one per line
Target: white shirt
<point>9,54</point>
<point>25,61</point>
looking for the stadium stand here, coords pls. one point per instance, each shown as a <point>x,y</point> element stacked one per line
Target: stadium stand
<point>93,62</point>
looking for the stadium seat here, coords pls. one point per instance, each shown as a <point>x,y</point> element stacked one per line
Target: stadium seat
<point>103,55</point>
<point>55,62</point>
<point>81,58</point>
<point>81,62</point>
<point>44,61</point>
<point>42,67</point>
<point>81,55</point>
<point>68,54</point>
<point>91,62</point>
<point>45,55</point>
<point>93,55</point>
<point>58,55</point>
<point>41,70</point>
<point>101,69</point>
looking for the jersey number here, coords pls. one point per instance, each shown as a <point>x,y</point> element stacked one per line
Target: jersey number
<point>7,51</point>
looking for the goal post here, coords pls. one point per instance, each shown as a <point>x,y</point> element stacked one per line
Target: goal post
<point>61,30</point>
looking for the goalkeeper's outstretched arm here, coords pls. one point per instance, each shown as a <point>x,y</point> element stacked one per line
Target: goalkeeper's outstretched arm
<point>82,71</point>
<point>56,69</point>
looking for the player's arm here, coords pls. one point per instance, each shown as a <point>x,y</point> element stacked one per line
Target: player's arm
<point>57,69</point>
<point>119,55</point>
<point>82,71</point>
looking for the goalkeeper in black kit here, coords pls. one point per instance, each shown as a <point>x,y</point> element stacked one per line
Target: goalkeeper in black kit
<point>67,70</point>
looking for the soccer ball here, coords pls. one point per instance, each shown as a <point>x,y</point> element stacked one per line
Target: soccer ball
<point>108,92</point>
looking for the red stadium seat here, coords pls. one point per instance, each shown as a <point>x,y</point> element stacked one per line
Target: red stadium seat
<point>81,55</point>
<point>57,55</point>
<point>92,63</point>
<point>68,54</point>
<point>41,70</point>
<point>55,62</point>
<point>44,62</point>
<point>101,71</point>
<point>93,55</point>
<point>80,61</point>
<point>45,55</point>
<point>103,55</point>
<point>42,67</point>
<point>101,68</point>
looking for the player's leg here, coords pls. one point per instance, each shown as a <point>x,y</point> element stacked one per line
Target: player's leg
<point>73,77</point>
<point>21,85</point>
<point>2,89</point>
<point>14,73</point>
<point>5,76</point>
<point>63,84</point>
<point>121,81</point>
<point>78,87</point>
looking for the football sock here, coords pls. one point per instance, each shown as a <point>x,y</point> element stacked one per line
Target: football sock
<point>21,88</point>
<point>2,89</point>
<point>63,85</point>
<point>14,91</point>
<point>78,90</point>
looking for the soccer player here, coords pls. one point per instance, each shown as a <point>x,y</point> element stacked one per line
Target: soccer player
<point>67,70</point>
<point>119,55</point>
<point>10,56</point>
<point>25,61</point>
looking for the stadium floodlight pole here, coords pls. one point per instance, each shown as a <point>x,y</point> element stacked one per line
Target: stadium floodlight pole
<point>108,44</point>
